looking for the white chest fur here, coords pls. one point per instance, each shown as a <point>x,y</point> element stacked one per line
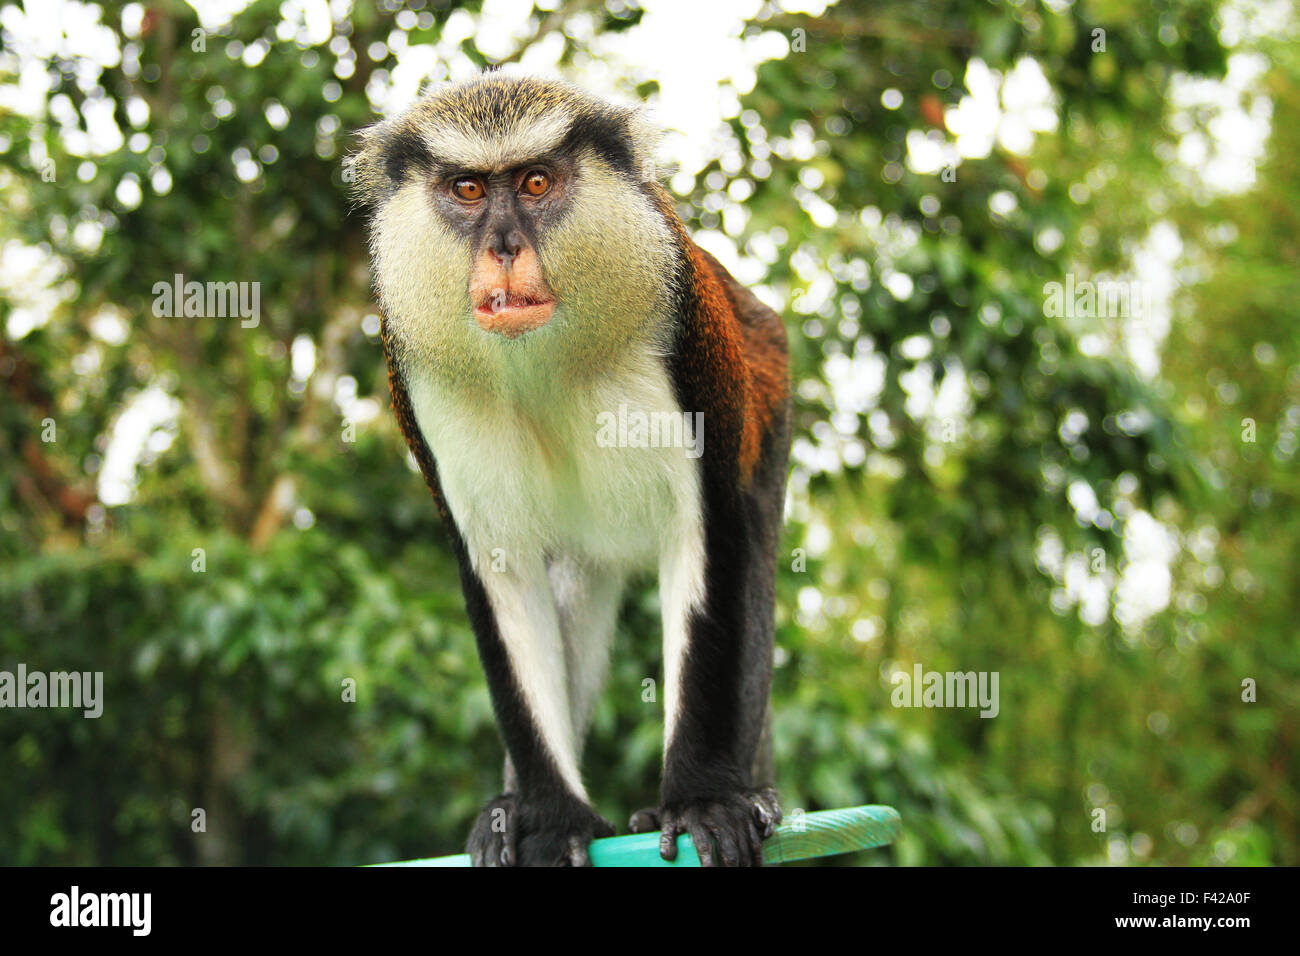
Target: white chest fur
<point>543,466</point>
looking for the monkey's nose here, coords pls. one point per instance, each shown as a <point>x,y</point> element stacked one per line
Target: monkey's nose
<point>506,246</point>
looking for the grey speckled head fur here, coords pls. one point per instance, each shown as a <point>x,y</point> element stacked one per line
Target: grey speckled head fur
<point>493,122</point>
<point>610,255</point>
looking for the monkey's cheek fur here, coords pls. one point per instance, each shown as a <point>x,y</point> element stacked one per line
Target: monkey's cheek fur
<point>513,321</point>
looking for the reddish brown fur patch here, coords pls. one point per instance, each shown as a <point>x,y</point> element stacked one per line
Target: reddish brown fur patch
<point>725,352</point>
<point>741,371</point>
<point>746,353</point>
<point>766,354</point>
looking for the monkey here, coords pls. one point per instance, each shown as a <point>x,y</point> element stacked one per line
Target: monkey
<point>536,281</point>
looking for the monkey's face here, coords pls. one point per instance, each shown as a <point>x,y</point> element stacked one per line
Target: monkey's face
<point>508,209</point>
<point>500,215</point>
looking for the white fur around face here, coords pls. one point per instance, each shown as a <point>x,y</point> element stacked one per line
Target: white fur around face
<point>606,263</point>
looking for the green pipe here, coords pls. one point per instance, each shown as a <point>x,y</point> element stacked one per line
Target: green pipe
<point>808,835</point>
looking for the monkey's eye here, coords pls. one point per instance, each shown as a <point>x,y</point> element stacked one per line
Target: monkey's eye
<point>536,183</point>
<point>468,189</point>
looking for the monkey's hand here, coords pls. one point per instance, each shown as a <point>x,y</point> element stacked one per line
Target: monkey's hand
<point>727,830</point>
<point>510,831</point>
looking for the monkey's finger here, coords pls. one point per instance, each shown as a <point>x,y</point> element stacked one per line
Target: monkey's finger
<point>578,852</point>
<point>756,846</point>
<point>704,845</point>
<point>668,841</point>
<point>509,843</point>
<point>729,848</point>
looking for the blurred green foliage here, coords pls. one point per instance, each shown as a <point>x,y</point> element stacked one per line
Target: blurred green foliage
<point>323,563</point>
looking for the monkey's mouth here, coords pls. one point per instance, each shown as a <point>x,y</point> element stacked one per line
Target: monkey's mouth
<point>513,314</point>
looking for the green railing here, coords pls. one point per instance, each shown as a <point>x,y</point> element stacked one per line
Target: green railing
<point>802,837</point>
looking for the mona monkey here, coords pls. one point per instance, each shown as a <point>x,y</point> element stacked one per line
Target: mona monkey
<point>535,280</point>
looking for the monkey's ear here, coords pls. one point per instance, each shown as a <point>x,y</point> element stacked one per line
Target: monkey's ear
<point>645,135</point>
<point>363,168</point>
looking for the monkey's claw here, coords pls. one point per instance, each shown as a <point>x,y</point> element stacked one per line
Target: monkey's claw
<point>728,830</point>
<point>509,832</point>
